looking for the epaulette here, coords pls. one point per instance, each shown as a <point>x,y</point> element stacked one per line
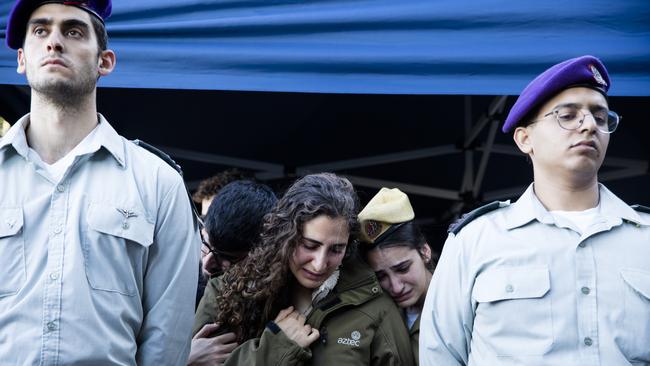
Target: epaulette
<point>198,222</point>
<point>159,153</point>
<point>641,208</point>
<point>470,216</point>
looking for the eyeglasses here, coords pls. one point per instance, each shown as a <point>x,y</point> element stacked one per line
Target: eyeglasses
<point>206,248</point>
<point>571,117</point>
<point>233,257</point>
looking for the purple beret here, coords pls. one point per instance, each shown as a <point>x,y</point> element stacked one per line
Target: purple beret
<point>585,71</point>
<point>22,10</point>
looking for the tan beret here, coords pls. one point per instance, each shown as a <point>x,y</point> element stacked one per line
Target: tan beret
<point>389,207</point>
<point>4,126</point>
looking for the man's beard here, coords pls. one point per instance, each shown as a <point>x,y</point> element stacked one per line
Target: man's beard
<point>66,94</point>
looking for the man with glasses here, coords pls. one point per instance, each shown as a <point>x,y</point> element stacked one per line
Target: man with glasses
<point>203,196</point>
<point>233,224</point>
<point>562,276</point>
<point>98,246</point>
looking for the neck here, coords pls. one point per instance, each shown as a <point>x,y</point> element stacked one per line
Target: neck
<point>567,195</point>
<point>55,129</point>
<point>300,297</point>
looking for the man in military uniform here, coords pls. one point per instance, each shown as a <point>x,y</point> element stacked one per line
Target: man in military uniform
<point>99,249</point>
<point>562,276</point>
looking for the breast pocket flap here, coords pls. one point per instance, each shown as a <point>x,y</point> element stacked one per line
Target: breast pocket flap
<point>509,283</point>
<point>639,280</point>
<point>130,223</point>
<point>11,221</point>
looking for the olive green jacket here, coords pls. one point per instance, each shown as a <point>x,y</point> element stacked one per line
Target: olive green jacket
<point>358,323</point>
<point>414,332</point>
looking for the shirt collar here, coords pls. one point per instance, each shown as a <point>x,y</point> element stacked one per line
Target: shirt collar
<point>613,207</point>
<point>528,208</point>
<point>16,138</point>
<point>109,138</point>
<point>106,136</point>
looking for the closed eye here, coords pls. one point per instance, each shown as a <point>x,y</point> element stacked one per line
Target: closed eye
<point>402,267</point>
<point>310,246</point>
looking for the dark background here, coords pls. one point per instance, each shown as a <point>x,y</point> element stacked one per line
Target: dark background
<point>297,129</point>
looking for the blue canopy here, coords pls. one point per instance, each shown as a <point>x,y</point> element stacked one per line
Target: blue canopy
<point>366,46</point>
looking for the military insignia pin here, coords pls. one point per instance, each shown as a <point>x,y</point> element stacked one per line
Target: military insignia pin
<point>599,78</point>
<point>372,228</point>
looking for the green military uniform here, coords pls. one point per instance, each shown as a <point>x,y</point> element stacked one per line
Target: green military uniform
<point>358,323</point>
<point>414,334</point>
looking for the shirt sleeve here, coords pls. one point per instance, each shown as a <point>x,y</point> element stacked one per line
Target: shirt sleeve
<point>447,316</point>
<point>170,283</point>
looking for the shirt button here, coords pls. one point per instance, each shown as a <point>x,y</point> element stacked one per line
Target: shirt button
<point>51,325</point>
<point>582,245</point>
<point>58,230</point>
<point>125,225</point>
<point>585,290</point>
<point>54,276</point>
<point>509,288</point>
<point>60,188</point>
<point>588,342</point>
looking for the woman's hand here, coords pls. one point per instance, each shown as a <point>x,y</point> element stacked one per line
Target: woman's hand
<point>211,351</point>
<point>293,325</point>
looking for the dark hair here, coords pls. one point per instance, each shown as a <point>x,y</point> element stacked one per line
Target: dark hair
<point>234,219</point>
<point>407,235</point>
<point>100,33</point>
<point>254,290</point>
<point>527,120</point>
<point>211,186</point>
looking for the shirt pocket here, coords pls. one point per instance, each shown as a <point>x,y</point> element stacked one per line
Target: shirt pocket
<point>12,251</point>
<point>636,317</point>
<point>513,312</point>
<point>115,247</point>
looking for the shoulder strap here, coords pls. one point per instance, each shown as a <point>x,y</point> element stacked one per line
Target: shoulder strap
<point>472,215</point>
<point>167,159</point>
<point>641,208</point>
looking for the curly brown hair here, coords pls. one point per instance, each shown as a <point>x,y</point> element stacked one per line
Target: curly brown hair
<point>211,186</point>
<point>254,290</point>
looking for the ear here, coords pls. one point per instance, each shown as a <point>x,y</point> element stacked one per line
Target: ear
<point>425,251</point>
<point>21,61</point>
<point>106,62</point>
<point>523,140</point>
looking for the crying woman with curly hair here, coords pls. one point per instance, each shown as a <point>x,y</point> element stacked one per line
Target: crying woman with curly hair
<point>303,297</point>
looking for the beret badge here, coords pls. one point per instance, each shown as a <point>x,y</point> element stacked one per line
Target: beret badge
<point>599,78</point>
<point>384,213</point>
<point>372,228</point>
